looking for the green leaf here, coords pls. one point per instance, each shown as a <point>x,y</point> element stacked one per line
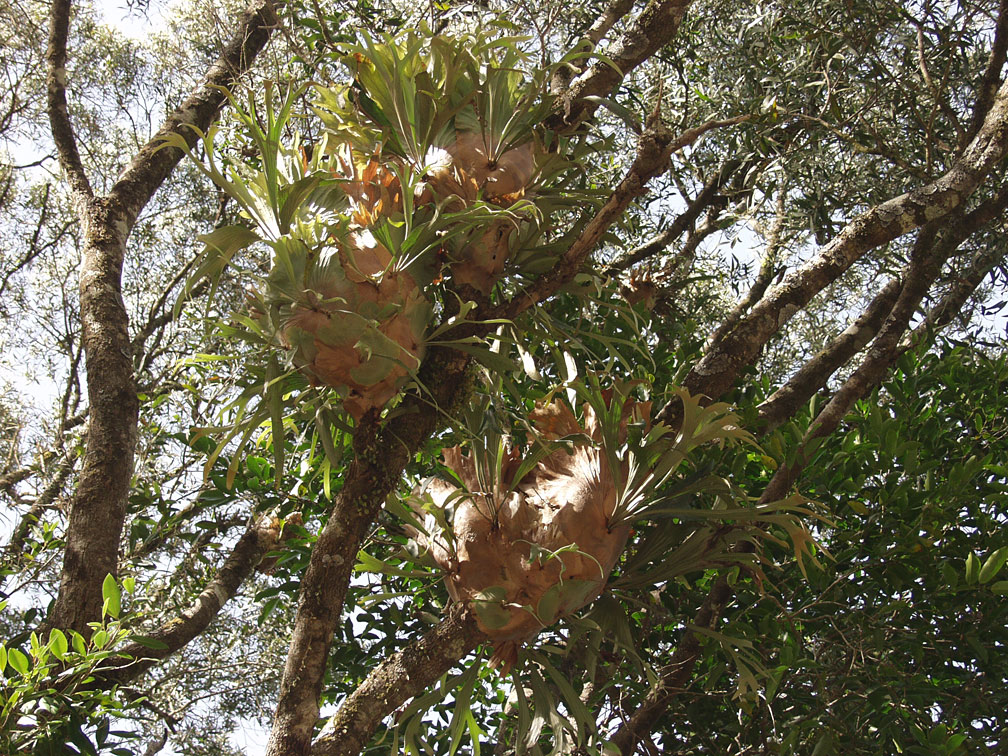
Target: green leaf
<point>18,661</point>
<point>1000,587</point>
<point>972,569</point>
<point>489,606</point>
<point>111,597</point>
<point>57,643</point>
<point>148,642</point>
<point>993,565</point>
<point>274,397</point>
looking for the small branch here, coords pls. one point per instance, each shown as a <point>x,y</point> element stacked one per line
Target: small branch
<point>402,676</point>
<point>653,150</point>
<point>44,501</point>
<point>674,676</point>
<point>763,278</point>
<point>34,248</point>
<point>704,199</point>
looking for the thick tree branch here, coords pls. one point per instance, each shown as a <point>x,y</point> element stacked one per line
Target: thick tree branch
<point>930,252</point>
<point>402,676</point>
<point>715,373</point>
<point>814,374</point>
<point>155,162</point>
<point>992,74</point>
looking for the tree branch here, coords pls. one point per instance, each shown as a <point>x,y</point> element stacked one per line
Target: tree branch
<point>59,114</point>
<point>814,374</point>
<point>655,146</point>
<point>604,23</point>
<point>403,675</point>
<point>155,161</point>
<point>45,500</point>
<point>176,633</point>
<point>380,456</point>
<point>763,277</point>
<point>992,75</point>
<point>704,199</point>
<point>934,245</point>
<point>715,373</point>
<point>655,26</point>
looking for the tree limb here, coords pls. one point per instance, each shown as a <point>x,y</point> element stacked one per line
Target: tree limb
<point>934,245</point>
<point>704,199</point>
<point>177,632</point>
<point>715,373</point>
<point>59,114</point>
<point>655,26</point>
<point>398,678</point>
<point>992,74</point>
<point>763,277</point>
<point>155,161</point>
<point>380,455</point>
<point>604,23</point>
<point>814,374</point>
<point>654,147</point>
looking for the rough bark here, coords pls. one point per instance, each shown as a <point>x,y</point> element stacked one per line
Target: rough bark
<point>402,676</point>
<point>715,373</point>
<point>98,510</point>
